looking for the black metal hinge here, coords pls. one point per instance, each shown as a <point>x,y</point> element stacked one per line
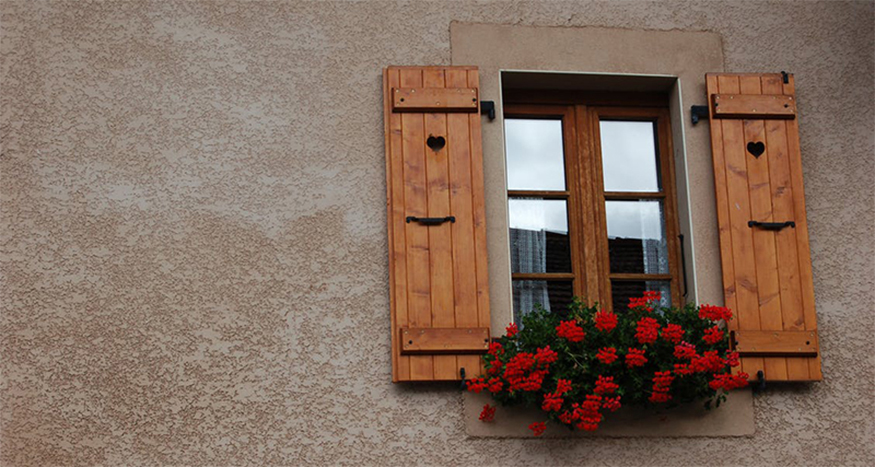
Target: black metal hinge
<point>698,112</point>
<point>488,108</point>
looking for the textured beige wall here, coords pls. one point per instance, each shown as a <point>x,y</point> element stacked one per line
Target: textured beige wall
<point>193,233</point>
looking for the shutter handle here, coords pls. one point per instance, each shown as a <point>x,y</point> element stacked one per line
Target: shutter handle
<point>431,220</point>
<point>771,225</point>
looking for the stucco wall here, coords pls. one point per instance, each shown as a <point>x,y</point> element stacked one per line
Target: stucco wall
<point>194,265</point>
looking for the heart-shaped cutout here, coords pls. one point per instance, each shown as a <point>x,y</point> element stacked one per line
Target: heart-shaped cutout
<point>757,149</point>
<point>436,143</point>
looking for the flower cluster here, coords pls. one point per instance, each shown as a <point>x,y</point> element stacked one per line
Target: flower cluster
<point>579,365</point>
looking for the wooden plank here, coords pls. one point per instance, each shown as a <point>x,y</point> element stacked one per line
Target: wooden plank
<point>444,340</point>
<point>792,318</point>
<point>434,98</point>
<point>738,201</point>
<point>479,209</point>
<point>784,343</point>
<point>589,230</point>
<point>753,105</point>
<point>395,219</point>
<point>439,241</point>
<point>766,263</point>
<point>806,278</point>
<point>416,204</point>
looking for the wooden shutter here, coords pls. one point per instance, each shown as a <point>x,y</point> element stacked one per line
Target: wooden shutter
<point>763,230</point>
<point>437,228</point>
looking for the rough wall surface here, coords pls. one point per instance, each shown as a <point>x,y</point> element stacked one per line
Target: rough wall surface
<point>193,247</point>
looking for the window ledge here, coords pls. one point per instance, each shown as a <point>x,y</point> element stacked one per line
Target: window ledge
<point>736,418</point>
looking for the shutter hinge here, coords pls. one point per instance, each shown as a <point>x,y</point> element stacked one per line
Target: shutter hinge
<point>488,108</point>
<point>698,112</point>
<point>785,77</point>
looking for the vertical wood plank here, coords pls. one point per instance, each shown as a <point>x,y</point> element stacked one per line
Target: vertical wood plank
<point>397,237</point>
<point>416,204</point>
<point>803,248</point>
<point>439,236</point>
<point>461,206</point>
<point>766,263</point>
<point>588,205</point>
<point>738,200</point>
<point>785,240</point>
<point>479,209</point>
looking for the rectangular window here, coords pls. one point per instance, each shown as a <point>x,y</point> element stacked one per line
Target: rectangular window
<point>592,210</point>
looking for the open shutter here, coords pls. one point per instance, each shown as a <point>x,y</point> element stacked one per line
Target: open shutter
<point>436,216</point>
<point>763,230</point>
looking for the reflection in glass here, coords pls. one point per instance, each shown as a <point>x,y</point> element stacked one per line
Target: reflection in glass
<point>539,236</point>
<point>622,291</point>
<point>534,154</point>
<point>636,237</point>
<point>629,156</point>
<point>554,296</point>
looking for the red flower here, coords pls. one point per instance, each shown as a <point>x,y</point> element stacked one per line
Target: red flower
<point>646,302</point>
<point>611,403</point>
<point>546,356</point>
<point>565,417</point>
<point>607,355</point>
<point>511,329</point>
<point>635,357</point>
<point>495,349</point>
<point>570,330</point>
<point>673,333</point>
<point>494,385</point>
<point>538,428</point>
<point>552,403</point>
<point>732,359</point>
<point>476,385</point>
<point>647,330</point>
<point>661,386</point>
<point>494,367</point>
<point>715,313</point>
<point>713,335</point>
<point>685,350</point>
<point>605,321</point>
<point>605,385</point>
<point>563,386</point>
<point>728,381</point>
<point>488,413</point>
<point>588,413</point>
<point>682,369</point>
<point>710,362</point>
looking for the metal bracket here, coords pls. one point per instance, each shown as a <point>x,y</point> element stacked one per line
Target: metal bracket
<point>431,220</point>
<point>771,225</point>
<point>785,77</point>
<point>698,112</point>
<point>462,375</point>
<point>488,108</point>
<point>761,383</point>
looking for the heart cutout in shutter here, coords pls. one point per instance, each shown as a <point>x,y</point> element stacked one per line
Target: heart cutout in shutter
<point>436,143</point>
<point>757,149</point>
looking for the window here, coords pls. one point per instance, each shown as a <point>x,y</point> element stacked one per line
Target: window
<point>592,209</point>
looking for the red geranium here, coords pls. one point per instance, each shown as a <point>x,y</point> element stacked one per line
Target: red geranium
<point>604,321</point>
<point>647,330</point>
<point>635,357</point>
<point>570,330</point>
<point>607,355</point>
<point>538,428</point>
<point>488,413</point>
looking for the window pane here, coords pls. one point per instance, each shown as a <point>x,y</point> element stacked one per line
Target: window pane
<point>539,236</point>
<point>535,158</point>
<point>622,291</point>
<point>554,296</point>
<point>629,156</point>
<point>636,237</point>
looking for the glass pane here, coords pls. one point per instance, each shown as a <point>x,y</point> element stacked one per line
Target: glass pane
<point>535,158</point>
<point>629,156</point>
<point>554,296</point>
<point>622,291</point>
<point>636,237</point>
<point>539,236</point>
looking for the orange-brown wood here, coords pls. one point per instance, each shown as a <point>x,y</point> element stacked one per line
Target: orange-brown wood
<point>433,98</point>
<point>766,273</point>
<point>783,343</point>
<point>444,340</point>
<point>749,105</point>
<point>437,274</point>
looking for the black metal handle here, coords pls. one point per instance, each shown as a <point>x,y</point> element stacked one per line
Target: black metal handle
<point>771,225</point>
<point>431,220</point>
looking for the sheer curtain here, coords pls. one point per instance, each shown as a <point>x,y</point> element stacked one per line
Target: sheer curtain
<point>528,253</point>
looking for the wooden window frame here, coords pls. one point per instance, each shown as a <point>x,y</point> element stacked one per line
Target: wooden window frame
<point>580,114</point>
